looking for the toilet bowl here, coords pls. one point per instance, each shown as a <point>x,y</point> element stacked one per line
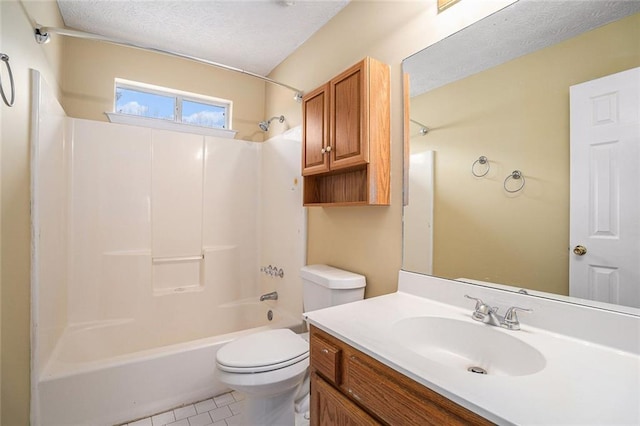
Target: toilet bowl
<point>268,367</point>
<point>271,367</point>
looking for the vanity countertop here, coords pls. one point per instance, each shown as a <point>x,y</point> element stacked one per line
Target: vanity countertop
<point>582,382</point>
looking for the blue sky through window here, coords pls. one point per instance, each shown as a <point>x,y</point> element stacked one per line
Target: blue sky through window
<point>133,102</point>
<point>203,114</point>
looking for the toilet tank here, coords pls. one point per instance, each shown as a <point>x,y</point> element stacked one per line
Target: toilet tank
<point>325,286</point>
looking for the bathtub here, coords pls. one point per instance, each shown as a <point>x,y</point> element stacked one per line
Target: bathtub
<point>115,371</point>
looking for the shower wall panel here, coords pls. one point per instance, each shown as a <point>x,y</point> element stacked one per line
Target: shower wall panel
<point>232,216</point>
<point>176,194</point>
<point>165,226</point>
<point>176,211</point>
<point>110,218</point>
<point>49,217</point>
<point>284,234</point>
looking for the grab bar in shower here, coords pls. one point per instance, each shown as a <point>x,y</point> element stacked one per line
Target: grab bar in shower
<point>176,259</point>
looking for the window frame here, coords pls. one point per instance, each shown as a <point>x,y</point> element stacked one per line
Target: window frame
<point>179,97</point>
<point>445,4</point>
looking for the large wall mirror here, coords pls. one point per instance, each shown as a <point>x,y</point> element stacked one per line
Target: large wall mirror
<point>494,99</point>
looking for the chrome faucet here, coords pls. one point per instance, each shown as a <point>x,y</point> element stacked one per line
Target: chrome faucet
<point>488,315</point>
<point>269,296</point>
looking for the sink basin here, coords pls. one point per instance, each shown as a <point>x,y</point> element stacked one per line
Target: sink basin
<point>467,346</point>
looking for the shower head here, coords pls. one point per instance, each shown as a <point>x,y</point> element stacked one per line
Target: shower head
<point>264,125</point>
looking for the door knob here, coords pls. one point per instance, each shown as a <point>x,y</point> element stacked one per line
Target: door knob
<point>580,250</point>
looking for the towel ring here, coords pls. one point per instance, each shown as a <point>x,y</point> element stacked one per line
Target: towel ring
<point>515,175</point>
<point>5,58</point>
<point>482,161</point>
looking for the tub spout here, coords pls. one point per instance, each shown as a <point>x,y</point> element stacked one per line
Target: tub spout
<point>269,296</point>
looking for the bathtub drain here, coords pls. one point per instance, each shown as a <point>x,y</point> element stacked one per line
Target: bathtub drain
<point>477,370</point>
<point>270,315</point>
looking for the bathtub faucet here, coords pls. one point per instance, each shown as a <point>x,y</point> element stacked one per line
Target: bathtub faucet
<point>269,296</point>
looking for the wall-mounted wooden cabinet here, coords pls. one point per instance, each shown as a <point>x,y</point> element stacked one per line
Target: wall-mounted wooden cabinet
<point>346,138</point>
<point>349,387</point>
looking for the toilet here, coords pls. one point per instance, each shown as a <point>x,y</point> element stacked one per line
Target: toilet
<point>271,367</point>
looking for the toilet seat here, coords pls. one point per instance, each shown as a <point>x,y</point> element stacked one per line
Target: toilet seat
<point>262,352</point>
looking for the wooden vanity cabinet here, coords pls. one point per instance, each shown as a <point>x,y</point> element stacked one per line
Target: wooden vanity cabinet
<point>331,408</point>
<point>346,138</point>
<point>349,387</point>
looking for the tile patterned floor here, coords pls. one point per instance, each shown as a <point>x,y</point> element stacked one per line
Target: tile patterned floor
<point>221,410</point>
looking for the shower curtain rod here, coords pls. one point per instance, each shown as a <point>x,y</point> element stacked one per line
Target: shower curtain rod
<point>424,129</point>
<point>43,35</point>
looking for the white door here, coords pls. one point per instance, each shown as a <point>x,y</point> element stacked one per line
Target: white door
<point>605,189</point>
<point>417,251</point>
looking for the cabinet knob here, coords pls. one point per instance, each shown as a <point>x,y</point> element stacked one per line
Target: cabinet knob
<point>323,150</point>
<point>329,148</point>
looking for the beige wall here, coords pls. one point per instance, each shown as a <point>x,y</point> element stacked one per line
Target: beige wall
<point>90,68</point>
<point>18,42</point>
<point>367,240</point>
<point>517,115</point>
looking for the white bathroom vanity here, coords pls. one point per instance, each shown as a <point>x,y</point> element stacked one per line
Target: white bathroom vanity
<point>568,364</point>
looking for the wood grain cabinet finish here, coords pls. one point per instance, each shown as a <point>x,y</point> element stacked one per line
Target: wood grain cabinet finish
<point>346,138</point>
<point>331,408</point>
<point>372,393</point>
<point>327,359</point>
<point>315,116</point>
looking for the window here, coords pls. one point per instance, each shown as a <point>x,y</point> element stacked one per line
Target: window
<point>204,114</point>
<point>159,103</point>
<point>146,104</point>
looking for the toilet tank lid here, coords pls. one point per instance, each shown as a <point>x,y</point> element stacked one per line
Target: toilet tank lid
<point>331,277</point>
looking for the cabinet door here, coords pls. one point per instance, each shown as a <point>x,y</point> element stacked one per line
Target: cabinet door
<point>349,118</point>
<point>330,408</point>
<point>398,400</point>
<point>315,131</point>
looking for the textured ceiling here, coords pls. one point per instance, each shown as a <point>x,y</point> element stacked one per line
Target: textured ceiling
<point>253,35</point>
<point>518,29</point>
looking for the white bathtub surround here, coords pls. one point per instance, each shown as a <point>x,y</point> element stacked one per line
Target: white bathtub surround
<point>591,373</point>
<point>156,213</point>
<point>147,248</point>
<point>177,205</point>
<point>283,235</point>
<point>49,127</point>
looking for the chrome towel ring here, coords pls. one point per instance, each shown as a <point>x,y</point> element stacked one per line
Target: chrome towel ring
<point>515,175</point>
<point>476,167</point>
<point>5,58</point>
